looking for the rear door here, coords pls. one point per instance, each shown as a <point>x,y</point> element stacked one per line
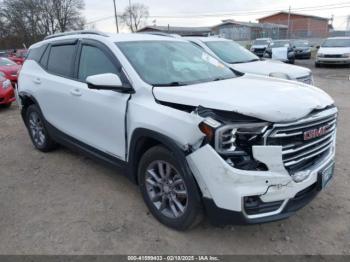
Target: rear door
<point>54,85</point>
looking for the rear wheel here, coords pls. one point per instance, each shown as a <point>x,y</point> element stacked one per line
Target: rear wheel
<point>37,130</point>
<point>169,191</point>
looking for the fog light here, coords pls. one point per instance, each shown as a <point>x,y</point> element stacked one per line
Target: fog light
<point>301,176</point>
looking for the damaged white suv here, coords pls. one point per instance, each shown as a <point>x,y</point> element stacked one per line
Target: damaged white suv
<point>196,136</point>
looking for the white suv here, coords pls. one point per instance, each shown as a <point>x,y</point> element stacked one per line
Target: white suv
<point>196,137</point>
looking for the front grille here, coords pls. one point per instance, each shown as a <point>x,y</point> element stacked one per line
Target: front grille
<point>305,79</point>
<point>333,56</point>
<point>298,152</point>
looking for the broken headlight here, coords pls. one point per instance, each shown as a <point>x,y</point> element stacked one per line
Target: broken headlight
<point>237,139</point>
<point>233,141</point>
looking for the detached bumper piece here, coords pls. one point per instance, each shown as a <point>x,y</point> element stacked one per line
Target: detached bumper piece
<point>254,206</point>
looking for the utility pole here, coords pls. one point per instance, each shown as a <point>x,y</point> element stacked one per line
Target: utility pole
<point>116,16</point>
<point>288,34</point>
<point>130,11</point>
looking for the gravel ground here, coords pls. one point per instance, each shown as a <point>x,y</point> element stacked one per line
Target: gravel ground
<point>65,203</point>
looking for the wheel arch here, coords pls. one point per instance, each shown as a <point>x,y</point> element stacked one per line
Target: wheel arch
<point>142,140</point>
<point>27,100</point>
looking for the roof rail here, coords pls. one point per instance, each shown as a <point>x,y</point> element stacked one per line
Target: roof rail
<point>80,32</point>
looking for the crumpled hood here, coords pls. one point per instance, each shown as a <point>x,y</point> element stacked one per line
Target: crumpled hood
<point>270,66</point>
<point>273,100</point>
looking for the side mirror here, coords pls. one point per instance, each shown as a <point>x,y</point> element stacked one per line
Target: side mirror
<point>107,82</point>
<point>317,47</point>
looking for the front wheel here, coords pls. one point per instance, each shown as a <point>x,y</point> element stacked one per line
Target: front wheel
<point>169,190</point>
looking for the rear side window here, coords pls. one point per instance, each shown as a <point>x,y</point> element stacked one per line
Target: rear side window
<point>94,61</point>
<point>61,60</point>
<point>36,53</point>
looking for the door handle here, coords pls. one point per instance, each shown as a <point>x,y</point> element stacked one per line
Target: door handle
<point>76,92</point>
<point>37,81</point>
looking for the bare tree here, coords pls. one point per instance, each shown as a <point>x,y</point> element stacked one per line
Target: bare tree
<point>135,16</point>
<point>29,21</point>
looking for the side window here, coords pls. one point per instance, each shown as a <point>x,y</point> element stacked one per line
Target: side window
<point>61,60</point>
<point>93,62</point>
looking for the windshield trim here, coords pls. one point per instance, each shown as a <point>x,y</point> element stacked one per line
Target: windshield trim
<point>199,81</point>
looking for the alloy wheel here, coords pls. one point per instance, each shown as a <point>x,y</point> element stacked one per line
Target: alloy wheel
<point>166,189</point>
<point>36,129</point>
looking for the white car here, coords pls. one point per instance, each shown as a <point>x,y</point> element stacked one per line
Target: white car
<point>240,59</point>
<point>195,136</point>
<point>334,50</point>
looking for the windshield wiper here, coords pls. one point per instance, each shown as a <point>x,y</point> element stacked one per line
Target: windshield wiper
<point>171,84</point>
<point>246,61</point>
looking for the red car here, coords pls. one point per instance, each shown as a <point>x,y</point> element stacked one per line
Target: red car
<point>19,57</point>
<point>7,93</point>
<point>10,69</point>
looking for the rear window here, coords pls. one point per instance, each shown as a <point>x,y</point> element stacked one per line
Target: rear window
<point>61,60</point>
<point>36,53</point>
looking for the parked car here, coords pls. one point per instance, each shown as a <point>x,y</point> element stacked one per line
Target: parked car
<point>334,50</point>
<point>259,46</point>
<point>241,59</point>
<point>193,134</point>
<point>10,69</point>
<point>7,94</point>
<point>302,49</point>
<point>281,50</point>
<point>19,56</point>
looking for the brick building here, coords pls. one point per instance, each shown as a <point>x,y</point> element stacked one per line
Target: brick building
<point>300,25</point>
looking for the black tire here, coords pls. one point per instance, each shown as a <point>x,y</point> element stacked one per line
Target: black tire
<point>318,65</point>
<point>42,142</point>
<point>193,212</point>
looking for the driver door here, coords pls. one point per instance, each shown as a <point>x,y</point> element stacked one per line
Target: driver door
<point>98,119</point>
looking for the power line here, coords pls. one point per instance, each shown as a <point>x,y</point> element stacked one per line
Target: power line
<point>241,12</point>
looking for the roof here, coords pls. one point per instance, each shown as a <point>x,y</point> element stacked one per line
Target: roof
<point>176,29</point>
<point>110,37</point>
<point>297,14</point>
<point>250,24</point>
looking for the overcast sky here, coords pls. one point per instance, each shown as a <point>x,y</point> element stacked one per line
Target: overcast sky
<point>102,10</point>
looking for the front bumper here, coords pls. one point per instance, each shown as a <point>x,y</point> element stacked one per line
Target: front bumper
<point>225,188</point>
<point>7,96</point>
<point>326,60</point>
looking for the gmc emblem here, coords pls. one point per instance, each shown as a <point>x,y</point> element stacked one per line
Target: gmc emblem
<point>314,133</point>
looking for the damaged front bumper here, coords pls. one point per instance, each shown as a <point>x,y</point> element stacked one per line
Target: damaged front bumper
<point>234,196</point>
